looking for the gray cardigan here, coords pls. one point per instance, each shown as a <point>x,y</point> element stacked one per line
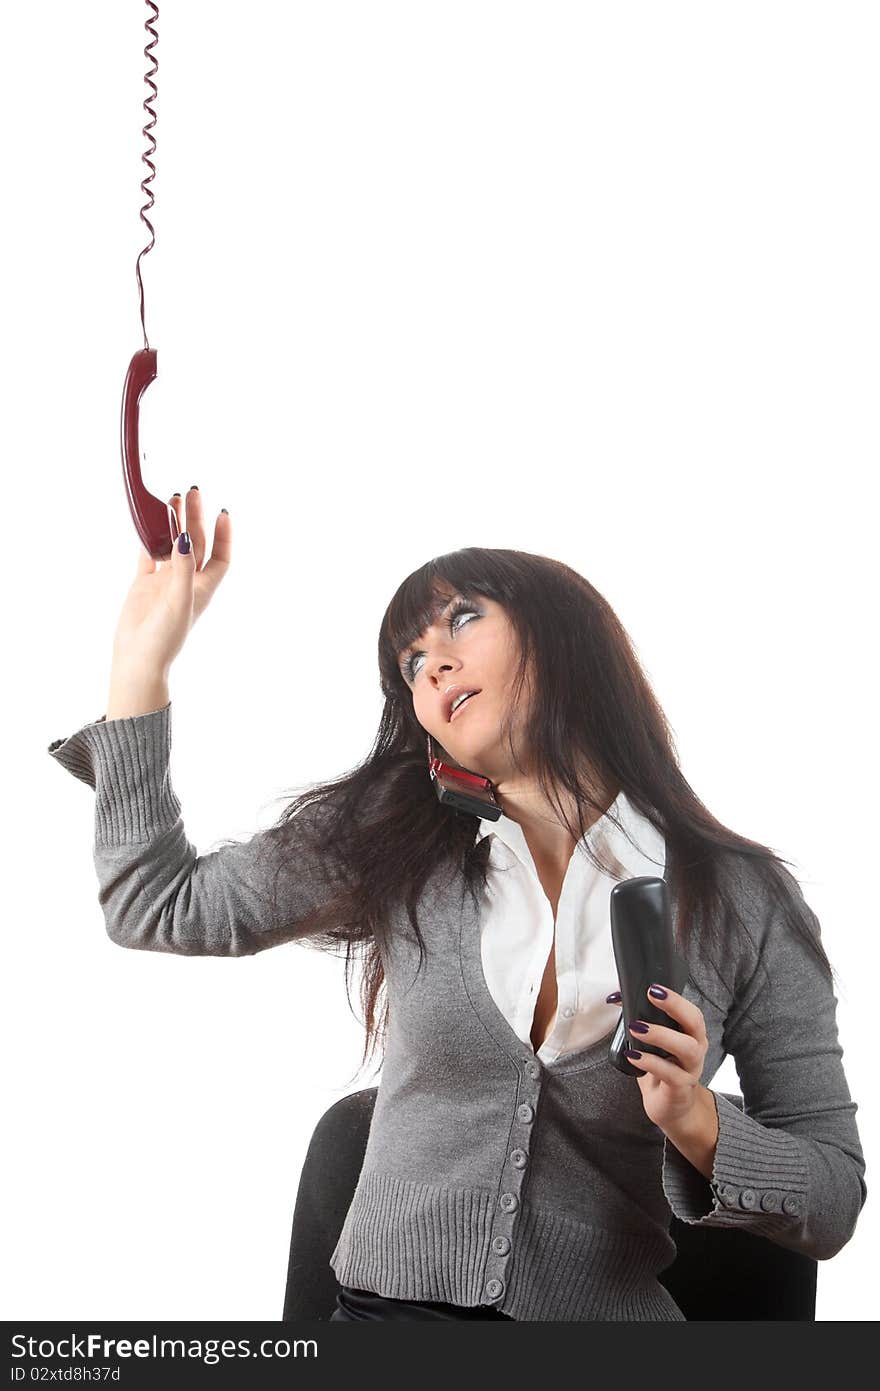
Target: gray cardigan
<point>490,1178</point>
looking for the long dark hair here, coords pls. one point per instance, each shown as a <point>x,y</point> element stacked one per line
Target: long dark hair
<point>379,831</point>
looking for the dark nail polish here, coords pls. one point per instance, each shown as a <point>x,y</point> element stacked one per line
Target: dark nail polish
<point>194,487</point>
<point>657,991</point>
<point>175,494</point>
<point>183,543</point>
<point>637,1027</point>
<point>633,1053</point>
<point>223,510</point>
<point>613,998</point>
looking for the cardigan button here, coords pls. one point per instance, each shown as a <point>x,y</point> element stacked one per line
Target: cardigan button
<point>727,1195</point>
<point>770,1202</point>
<point>494,1288</point>
<point>508,1202</point>
<point>791,1205</point>
<point>518,1158</point>
<point>525,1112</point>
<point>501,1245</point>
<point>748,1198</point>
<point>533,1069</point>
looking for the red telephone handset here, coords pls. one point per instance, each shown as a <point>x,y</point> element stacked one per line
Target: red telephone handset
<point>155,521</point>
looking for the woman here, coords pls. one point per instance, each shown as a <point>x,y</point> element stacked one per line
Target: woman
<point>510,1170</point>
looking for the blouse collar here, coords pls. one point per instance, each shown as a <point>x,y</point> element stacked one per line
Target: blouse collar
<point>635,844</point>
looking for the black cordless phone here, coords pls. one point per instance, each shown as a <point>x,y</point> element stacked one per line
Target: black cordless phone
<point>644,952</point>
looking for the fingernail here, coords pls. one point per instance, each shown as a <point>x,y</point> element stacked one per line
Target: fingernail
<point>223,510</point>
<point>638,1027</point>
<point>175,494</point>
<point>613,998</point>
<point>657,991</point>
<point>183,543</point>
<point>194,487</point>
<point>633,1053</point>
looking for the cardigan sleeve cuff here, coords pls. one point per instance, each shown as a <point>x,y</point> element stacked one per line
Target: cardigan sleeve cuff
<point>759,1177</point>
<point>126,762</point>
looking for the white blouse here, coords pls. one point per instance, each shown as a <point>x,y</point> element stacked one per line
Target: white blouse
<point>517,925</point>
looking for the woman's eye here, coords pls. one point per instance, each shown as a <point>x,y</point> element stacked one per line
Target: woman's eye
<point>412,668</point>
<point>461,613</point>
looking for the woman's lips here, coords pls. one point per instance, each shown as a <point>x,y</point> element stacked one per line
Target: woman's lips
<point>458,709</point>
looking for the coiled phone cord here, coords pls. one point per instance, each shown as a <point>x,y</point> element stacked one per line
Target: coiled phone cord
<point>148,132</point>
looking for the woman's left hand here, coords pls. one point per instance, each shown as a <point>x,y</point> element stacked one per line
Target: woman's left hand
<point>672,1093</point>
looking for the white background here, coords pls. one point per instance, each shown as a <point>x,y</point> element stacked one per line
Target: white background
<point>595,281</point>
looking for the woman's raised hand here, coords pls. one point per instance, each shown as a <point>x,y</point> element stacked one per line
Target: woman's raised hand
<point>168,595</point>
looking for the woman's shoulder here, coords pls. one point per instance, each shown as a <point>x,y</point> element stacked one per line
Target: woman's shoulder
<point>768,927</point>
<point>756,887</point>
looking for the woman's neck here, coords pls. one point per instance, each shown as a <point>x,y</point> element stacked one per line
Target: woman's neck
<point>549,839</point>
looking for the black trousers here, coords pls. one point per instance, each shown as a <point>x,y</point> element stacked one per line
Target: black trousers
<point>354,1305</point>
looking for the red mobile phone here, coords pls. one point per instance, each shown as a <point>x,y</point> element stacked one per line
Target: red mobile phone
<point>459,788</point>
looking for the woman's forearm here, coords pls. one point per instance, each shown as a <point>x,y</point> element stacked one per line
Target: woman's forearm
<point>136,694</point>
<point>697,1137</point>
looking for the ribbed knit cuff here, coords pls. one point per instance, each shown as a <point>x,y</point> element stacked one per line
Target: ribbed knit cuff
<point>126,762</point>
<point>759,1178</point>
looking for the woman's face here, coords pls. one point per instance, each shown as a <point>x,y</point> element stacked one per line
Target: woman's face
<point>472,646</point>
